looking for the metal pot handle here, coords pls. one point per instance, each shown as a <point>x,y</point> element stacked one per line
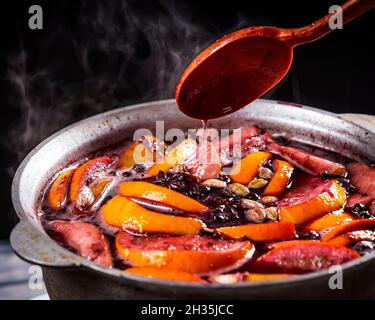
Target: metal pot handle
<point>36,247</point>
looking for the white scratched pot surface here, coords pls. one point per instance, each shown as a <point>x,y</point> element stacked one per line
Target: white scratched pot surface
<point>364,120</point>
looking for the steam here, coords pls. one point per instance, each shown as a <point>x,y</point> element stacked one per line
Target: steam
<point>115,53</point>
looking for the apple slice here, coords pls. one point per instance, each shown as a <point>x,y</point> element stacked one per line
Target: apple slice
<point>303,258</point>
<point>178,155</point>
<point>357,198</point>
<point>193,254</point>
<point>311,200</point>
<point>165,274</point>
<point>153,192</point>
<point>124,213</point>
<point>239,144</point>
<point>282,173</point>
<point>247,169</point>
<point>84,238</point>
<point>59,189</point>
<point>262,232</point>
<point>307,162</point>
<point>246,277</point>
<point>363,178</point>
<point>82,177</point>
<point>206,165</point>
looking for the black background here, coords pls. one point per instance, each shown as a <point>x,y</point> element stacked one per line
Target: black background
<point>92,56</point>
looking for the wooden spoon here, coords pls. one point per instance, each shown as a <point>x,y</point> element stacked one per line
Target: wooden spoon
<point>242,66</point>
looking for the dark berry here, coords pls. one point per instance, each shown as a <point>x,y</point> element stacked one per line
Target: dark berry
<point>311,235</point>
<point>361,211</point>
<point>139,168</point>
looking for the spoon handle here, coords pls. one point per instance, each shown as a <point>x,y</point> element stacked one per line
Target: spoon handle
<point>350,10</point>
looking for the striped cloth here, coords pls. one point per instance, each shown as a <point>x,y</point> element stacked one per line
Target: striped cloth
<point>18,279</point>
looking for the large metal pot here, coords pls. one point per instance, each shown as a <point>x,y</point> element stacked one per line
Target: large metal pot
<point>69,276</point>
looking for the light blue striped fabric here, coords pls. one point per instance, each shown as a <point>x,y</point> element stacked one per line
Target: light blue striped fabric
<point>15,276</point>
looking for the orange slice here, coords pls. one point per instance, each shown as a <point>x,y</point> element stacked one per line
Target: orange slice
<point>177,155</point>
<point>316,202</point>
<point>165,274</point>
<point>59,189</point>
<point>359,224</point>
<point>351,237</point>
<point>282,172</point>
<point>98,187</point>
<point>330,220</point>
<point>135,153</point>
<point>124,213</point>
<point>145,150</point>
<point>265,277</point>
<point>262,232</point>
<point>247,169</point>
<point>84,173</point>
<point>193,254</point>
<point>150,191</point>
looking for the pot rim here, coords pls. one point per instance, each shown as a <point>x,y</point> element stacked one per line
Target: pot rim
<point>82,262</point>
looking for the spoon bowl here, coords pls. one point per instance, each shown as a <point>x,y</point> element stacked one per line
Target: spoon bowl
<point>242,66</point>
<point>232,72</point>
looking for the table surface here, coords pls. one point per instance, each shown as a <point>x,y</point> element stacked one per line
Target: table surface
<point>15,274</point>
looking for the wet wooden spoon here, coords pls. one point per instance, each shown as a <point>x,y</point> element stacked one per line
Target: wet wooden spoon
<point>242,66</point>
